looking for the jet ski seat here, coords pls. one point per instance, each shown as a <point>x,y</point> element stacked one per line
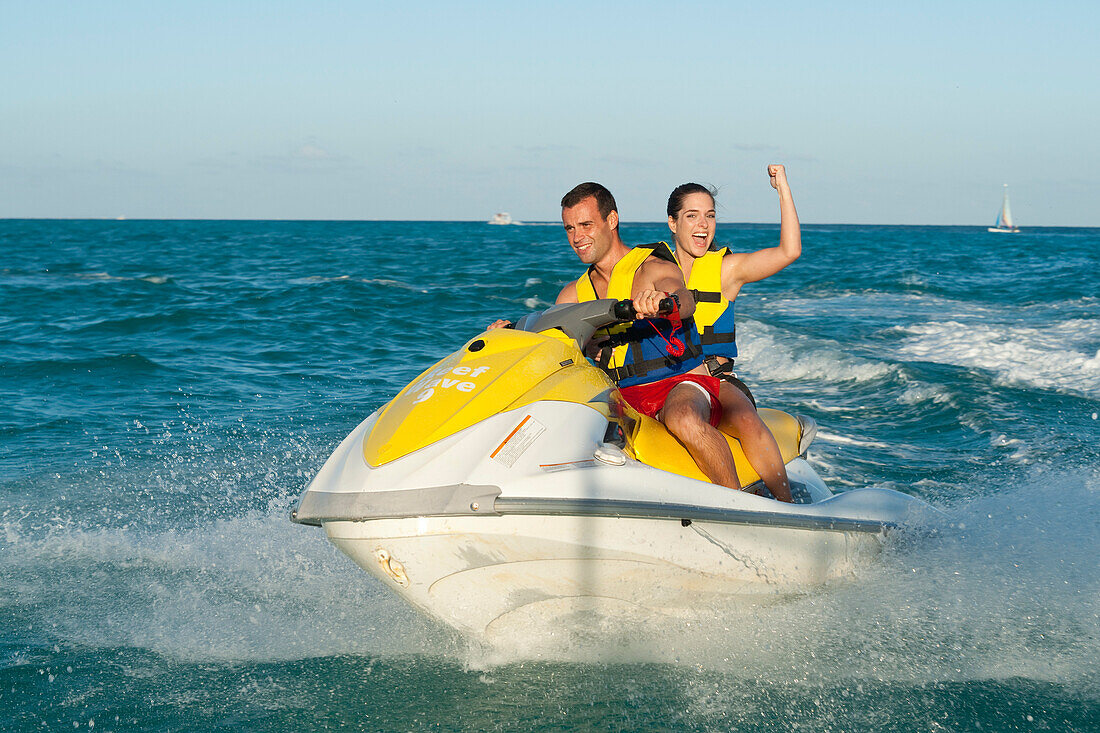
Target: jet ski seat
<point>648,441</point>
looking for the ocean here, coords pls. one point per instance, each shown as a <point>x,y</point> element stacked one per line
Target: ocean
<point>168,388</point>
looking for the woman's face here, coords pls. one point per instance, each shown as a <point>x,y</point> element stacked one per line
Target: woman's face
<point>693,227</point>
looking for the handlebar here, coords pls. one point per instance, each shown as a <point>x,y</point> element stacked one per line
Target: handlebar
<point>624,309</point>
<point>581,320</point>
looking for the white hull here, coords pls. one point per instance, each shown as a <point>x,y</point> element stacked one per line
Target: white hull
<point>1002,230</point>
<point>492,575</point>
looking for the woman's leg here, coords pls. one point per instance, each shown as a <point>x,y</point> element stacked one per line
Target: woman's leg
<point>685,414</point>
<point>740,419</point>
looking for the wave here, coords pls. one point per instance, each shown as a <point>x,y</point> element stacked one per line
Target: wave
<point>881,304</point>
<point>769,355</point>
<point>917,392</point>
<point>105,276</point>
<point>48,425</point>
<point>848,440</point>
<point>37,368</point>
<point>1053,357</point>
<point>425,288</point>
<point>322,279</point>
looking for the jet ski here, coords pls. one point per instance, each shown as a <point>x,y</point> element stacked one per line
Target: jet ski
<point>509,486</point>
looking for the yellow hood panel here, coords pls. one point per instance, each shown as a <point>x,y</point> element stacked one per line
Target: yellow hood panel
<point>470,386</point>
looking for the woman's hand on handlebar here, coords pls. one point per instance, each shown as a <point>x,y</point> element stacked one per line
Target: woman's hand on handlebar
<point>499,323</point>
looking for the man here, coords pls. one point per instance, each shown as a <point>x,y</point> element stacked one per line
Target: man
<point>677,390</point>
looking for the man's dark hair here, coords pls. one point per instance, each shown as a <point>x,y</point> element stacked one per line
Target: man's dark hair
<point>605,202</point>
<point>676,198</point>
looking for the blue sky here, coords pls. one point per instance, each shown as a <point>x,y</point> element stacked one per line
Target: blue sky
<point>911,113</point>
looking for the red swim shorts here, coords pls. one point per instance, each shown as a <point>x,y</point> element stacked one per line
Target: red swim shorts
<point>648,399</point>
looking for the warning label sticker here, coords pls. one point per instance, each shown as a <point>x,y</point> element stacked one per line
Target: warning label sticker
<point>519,440</point>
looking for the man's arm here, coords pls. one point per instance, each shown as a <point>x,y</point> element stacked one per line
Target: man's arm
<point>749,267</point>
<point>655,278</point>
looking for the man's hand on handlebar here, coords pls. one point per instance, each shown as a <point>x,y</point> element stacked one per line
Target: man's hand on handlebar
<point>647,303</point>
<point>499,323</point>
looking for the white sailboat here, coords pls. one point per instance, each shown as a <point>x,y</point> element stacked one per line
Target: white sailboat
<point>1004,223</point>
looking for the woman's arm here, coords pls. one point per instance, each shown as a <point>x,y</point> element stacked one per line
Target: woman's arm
<point>748,267</point>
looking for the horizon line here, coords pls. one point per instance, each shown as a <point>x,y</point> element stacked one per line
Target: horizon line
<point>513,224</point>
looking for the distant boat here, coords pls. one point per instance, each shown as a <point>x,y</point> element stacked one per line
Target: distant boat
<point>502,218</point>
<point>1004,218</point>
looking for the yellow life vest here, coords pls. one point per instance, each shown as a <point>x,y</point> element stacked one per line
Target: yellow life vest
<point>713,312</point>
<point>621,284</point>
<point>638,354</point>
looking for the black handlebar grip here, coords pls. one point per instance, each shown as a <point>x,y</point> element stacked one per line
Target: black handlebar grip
<point>624,310</point>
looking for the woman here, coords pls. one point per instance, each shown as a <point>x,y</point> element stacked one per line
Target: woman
<point>716,277</point>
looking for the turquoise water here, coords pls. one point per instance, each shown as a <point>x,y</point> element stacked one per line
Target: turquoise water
<point>168,388</point>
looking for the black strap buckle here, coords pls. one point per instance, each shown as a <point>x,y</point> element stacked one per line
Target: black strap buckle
<point>717,368</point>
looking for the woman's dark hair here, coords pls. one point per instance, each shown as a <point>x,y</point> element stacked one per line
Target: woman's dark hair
<point>676,198</point>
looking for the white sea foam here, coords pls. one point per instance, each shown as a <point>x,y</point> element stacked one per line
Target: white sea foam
<point>767,354</point>
<point>1010,589</point>
<point>98,276</point>
<point>322,278</point>
<point>874,306</point>
<point>918,392</point>
<point>385,282</point>
<point>255,588</point>
<point>819,406</point>
<point>848,440</point>
<point>1057,357</point>
<point>108,277</point>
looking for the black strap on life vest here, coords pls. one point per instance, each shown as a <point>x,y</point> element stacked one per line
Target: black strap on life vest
<point>724,371</point>
<point>636,369</point>
<point>662,251</point>
<point>718,368</point>
<point>706,296</point>
<point>708,336</point>
<point>639,366</point>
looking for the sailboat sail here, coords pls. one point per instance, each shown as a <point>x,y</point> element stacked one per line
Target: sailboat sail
<point>1005,219</point>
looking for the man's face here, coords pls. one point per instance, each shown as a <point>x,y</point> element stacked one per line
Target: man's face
<point>589,234</point>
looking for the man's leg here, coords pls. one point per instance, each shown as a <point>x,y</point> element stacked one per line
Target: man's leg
<point>685,414</point>
<point>740,419</point>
